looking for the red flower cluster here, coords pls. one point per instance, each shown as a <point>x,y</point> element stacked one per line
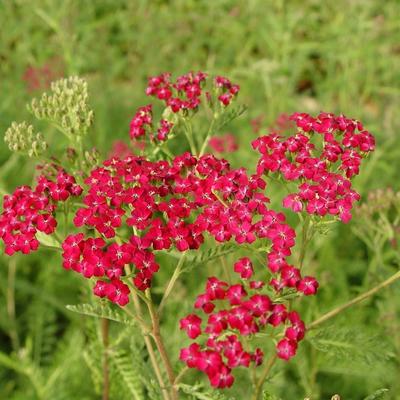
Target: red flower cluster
<point>227,88</point>
<point>323,170</point>
<point>184,94</point>
<point>174,205</point>
<point>27,211</point>
<point>141,122</point>
<point>223,144</point>
<point>249,312</point>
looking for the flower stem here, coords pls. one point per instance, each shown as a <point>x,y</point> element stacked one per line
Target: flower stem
<point>264,375</point>
<point>172,282</point>
<point>145,332</point>
<point>305,239</point>
<point>12,269</point>
<point>106,370</point>
<point>207,138</point>
<point>354,301</point>
<point>150,350</point>
<point>156,335</point>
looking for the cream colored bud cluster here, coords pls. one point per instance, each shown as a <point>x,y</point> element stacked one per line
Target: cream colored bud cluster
<point>66,106</point>
<point>22,138</point>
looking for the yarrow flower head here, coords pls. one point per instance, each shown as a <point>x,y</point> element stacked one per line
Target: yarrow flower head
<point>130,208</point>
<point>323,171</point>
<point>29,211</point>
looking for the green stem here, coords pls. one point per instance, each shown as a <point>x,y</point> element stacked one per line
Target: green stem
<point>171,283</point>
<point>264,375</point>
<point>156,335</point>
<point>354,301</point>
<point>305,239</point>
<point>180,375</point>
<point>145,332</point>
<point>207,138</point>
<point>106,370</point>
<point>189,136</point>
<point>150,349</point>
<point>12,269</point>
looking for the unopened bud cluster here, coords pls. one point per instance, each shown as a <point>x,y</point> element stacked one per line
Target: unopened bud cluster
<point>22,138</point>
<point>66,105</point>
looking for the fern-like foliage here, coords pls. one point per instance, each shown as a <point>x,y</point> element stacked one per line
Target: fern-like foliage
<point>128,372</point>
<point>101,311</point>
<point>230,115</point>
<point>208,255</point>
<point>379,394</point>
<point>197,392</point>
<point>350,344</point>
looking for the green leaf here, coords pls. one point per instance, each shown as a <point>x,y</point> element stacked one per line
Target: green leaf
<point>230,115</point>
<point>129,372</point>
<point>379,394</point>
<point>351,344</point>
<point>196,392</point>
<point>208,255</point>
<point>47,240</point>
<point>270,396</point>
<point>100,311</point>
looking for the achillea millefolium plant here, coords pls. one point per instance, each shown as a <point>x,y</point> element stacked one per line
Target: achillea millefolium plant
<point>112,220</point>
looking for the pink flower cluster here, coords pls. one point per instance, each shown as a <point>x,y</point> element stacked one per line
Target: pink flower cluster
<point>142,124</point>
<point>227,90</point>
<point>248,312</point>
<point>183,94</point>
<point>323,156</point>
<point>28,211</point>
<point>223,144</point>
<point>175,205</point>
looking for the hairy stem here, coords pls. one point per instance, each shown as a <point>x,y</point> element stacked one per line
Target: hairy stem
<point>150,350</point>
<point>12,269</point>
<point>354,301</point>
<point>145,332</point>
<point>264,375</point>
<point>156,335</point>
<point>207,138</point>
<point>181,375</point>
<point>172,282</point>
<point>106,369</point>
<point>305,239</point>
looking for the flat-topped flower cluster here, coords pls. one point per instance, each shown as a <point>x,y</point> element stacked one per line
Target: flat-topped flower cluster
<point>130,208</point>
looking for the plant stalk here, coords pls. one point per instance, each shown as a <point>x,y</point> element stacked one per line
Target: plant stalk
<point>156,335</point>
<point>106,369</point>
<point>12,269</point>
<point>354,301</point>
<point>264,375</point>
<point>172,282</point>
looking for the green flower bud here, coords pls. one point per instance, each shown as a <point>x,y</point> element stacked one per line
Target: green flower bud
<point>66,105</point>
<point>22,138</point>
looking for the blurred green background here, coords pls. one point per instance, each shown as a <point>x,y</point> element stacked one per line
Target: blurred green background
<point>308,56</point>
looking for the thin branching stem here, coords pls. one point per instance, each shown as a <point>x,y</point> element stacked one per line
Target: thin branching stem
<point>12,269</point>
<point>105,326</point>
<point>171,283</point>
<point>156,335</point>
<point>354,301</point>
<point>264,375</point>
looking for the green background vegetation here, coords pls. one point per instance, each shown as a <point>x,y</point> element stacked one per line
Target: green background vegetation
<point>340,56</point>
